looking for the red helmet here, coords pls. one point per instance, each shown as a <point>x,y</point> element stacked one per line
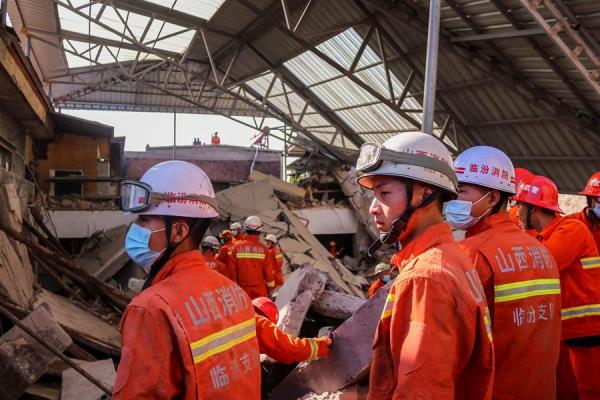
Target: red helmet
<point>538,191</point>
<point>266,307</point>
<point>521,173</point>
<point>226,234</point>
<point>593,186</point>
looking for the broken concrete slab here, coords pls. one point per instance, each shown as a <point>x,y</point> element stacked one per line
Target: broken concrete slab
<point>284,190</point>
<point>81,324</point>
<point>296,295</point>
<point>104,253</point>
<point>289,245</point>
<point>75,386</point>
<point>23,360</point>
<point>350,357</point>
<point>337,305</point>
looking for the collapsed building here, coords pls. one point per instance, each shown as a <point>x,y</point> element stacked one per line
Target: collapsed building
<point>336,74</point>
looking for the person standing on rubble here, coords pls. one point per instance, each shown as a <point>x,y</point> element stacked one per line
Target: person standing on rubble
<point>190,333</point>
<point>253,268</point>
<point>277,344</point>
<point>575,252</point>
<point>434,337</point>
<point>520,278</point>
<point>383,275</point>
<point>210,247</point>
<point>225,253</point>
<point>590,215</point>
<point>276,258</point>
<point>236,231</point>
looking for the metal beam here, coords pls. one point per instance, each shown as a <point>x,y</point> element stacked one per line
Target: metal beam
<point>498,35</point>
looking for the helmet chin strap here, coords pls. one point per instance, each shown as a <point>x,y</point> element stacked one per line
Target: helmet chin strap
<point>399,224</point>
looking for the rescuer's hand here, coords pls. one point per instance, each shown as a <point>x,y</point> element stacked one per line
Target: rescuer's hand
<point>324,344</point>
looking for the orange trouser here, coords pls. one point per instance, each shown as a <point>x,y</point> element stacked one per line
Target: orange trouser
<point>566,385</point>
<point>254,291</point>
<point>586,367</point>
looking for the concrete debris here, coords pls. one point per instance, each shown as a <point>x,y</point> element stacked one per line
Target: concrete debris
<point>76,387</point>
<point>359,198</point>
<point>103,255</point>
<point>42,392</point>
<point>350,393</point>
<point>325,331</point>
<point>284,190</point>
<point>298,245</point>
<point>22,359</point>
<point>296,295</point>
<point>349,360</point>
<point>337,305</point>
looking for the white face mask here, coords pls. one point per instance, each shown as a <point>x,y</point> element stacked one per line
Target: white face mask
<point>458,213</point>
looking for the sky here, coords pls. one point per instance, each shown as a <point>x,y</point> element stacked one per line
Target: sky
<point>156,129</point>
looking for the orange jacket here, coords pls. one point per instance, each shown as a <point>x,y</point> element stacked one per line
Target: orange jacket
<point>277,260</point>
<point>191,335</point>
<point>522,286</point>
<point>513,213</point>
<point>224,256</point>
<point>576,254</point>
<point>594,228</point>
<point>375,287</point>
<point>213,263</point>
<point>434,337</point>
<point>253,267</point>
<point>285,348</point>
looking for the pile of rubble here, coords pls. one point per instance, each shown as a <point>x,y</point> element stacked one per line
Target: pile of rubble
<point>65,309</point>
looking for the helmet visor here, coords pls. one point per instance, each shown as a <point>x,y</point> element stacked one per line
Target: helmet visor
<point>135,196</point>
<point>369,157</point>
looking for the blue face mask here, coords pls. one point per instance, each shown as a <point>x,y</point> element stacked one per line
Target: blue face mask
<point>386,278</point>
<point>458,213</point>
<point>596,210</point>
<point>137,246</point>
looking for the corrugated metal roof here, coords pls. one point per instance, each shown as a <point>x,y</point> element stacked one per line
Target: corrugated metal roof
<point>514,90</point>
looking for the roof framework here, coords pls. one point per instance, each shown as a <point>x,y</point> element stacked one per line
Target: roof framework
<point>512,74</point>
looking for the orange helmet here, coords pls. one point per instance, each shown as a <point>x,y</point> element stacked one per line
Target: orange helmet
<point>521,173</point>
<point>593,186</point>
<point>267,308</point>
<point>538,191</point>
<point>226,234</point>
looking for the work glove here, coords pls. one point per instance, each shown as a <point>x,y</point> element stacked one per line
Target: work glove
<point>324,343</point>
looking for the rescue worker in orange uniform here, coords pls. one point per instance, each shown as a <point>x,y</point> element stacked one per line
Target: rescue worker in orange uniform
<point>519,276</point>
<point>190,333</point>
<point>254,269</point>
<point>383,275</point>
<point>236,231</point>
<point>575,252</point>
<point>434,337</point>
<point>225,253</point>
<point>276,258</point>
<point>590,215</point>
<point>277,344</point>
<point>513,211</point>
<point>215,139</point>
<point>210,247</point>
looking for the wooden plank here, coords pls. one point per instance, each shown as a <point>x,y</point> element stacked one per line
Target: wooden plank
<point>23,359</point>
<point>76,387</point>
<point>81,324</point>
<point>10,207</point>
<point>16,277</point>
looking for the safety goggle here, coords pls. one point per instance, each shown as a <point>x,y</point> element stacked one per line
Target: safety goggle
<point>372,155</point>
<point>138,196</point>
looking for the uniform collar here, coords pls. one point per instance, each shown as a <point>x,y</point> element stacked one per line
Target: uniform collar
<point>549,229</point>
<point>585,218</point>
<point>491,221</point>
<point>430,237</point>
<point>189,259</point>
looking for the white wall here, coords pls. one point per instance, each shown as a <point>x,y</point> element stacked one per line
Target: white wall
<point>71,224</point>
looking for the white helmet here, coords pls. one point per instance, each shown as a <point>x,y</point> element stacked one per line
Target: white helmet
<point>417,156</point>
<point>486,166</point>
<point>210,241</point>
<point>236,226</point>
<point>271,238</point>
<point>252,223</point>
<point>173,188</point>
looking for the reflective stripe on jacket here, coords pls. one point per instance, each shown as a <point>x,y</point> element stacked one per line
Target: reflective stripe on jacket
<point>522,286</point>
<point>434,337</point>
<point>576,254</point>
<point>190,335</point>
